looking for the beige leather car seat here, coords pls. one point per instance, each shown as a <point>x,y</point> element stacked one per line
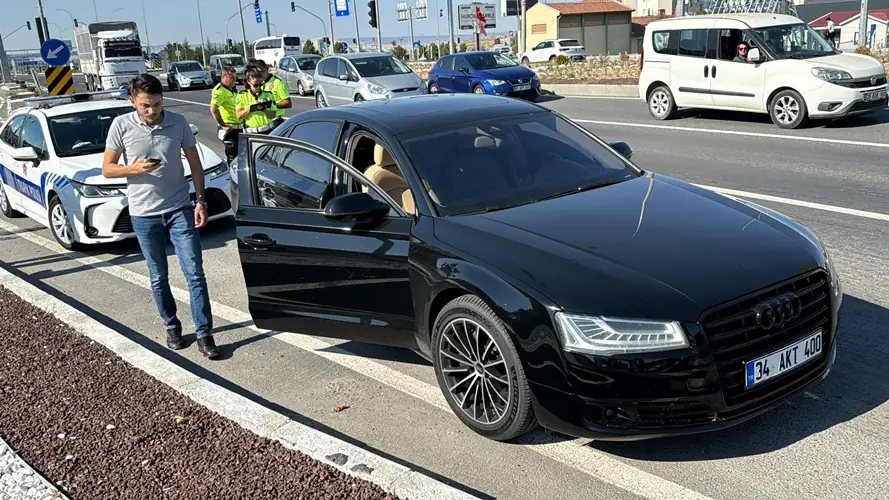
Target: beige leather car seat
<point>384,173</point>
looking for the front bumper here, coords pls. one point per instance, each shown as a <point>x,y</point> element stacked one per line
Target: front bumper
<point>697,390</point>
<point>523,90</point>
<point>107,220</point>
<point>832,101</point>
<point>193,84</point>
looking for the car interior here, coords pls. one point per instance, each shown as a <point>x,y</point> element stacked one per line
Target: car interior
<point>377,164</point>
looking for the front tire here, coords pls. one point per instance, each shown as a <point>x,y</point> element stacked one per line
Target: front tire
<point>6,205</point>
<point>661,104</point>
<point>788,109</point>
<point>300,89</point>
<point>60,224</point>
<point>479,370</point>
<point>478,89</point>
<point>319,100</point>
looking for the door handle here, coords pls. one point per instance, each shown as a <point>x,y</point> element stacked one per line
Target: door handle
<point>259,241</point>
<point>706,71</point>
<point>713,71</point>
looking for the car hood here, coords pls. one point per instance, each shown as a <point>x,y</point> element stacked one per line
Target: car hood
<point>87,169</point>
<point>651,247</point>
<point>857,64</point>
<point>510,73</point>
<point>395,82</point>
<point>194,74</point>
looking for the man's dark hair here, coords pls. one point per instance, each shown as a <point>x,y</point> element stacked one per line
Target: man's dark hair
<point>262,65</point>
<point>146,83</point>
<point>252,72</point>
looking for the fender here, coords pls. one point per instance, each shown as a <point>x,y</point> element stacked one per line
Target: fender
<point>59,185</point>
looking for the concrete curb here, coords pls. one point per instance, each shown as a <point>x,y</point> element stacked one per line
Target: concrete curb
<point>590,90</point>
<point>350,459</point>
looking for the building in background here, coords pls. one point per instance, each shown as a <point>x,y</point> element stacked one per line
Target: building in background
<point>601,26</point>
<point>847,25</point>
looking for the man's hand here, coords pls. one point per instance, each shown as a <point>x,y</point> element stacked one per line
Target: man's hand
<point>143,166</point>
<point>200,216</point>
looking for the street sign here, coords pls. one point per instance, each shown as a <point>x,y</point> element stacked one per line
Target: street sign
<point>514,7</point>
<point>342,8</point>
<point>155,56</point>
<point>468,19</point>
<point>420,11</point>
<point>416,44</point>
<point>55,52</point>
<point>59,80</point>
<point>258,13</point>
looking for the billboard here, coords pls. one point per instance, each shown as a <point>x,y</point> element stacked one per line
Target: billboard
<point>514,7</point>
<point>467,16</point>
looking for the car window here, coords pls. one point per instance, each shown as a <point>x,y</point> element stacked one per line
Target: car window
<point>460,64</point>
<point>307,63</point>
<point>186,67</point>
<point>341,68</point>
<point>12,134</point>
<point>32,136</point>
<point>290,178</point>
<point>508,161</point>
<point>321,134</point>
<point>492,60</point>
<point>370,67</point>
<point>569,43</point>
<point>84,133</point>
<point>693,43</point>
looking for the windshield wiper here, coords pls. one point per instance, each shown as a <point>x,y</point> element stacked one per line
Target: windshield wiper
<point>580,189</point>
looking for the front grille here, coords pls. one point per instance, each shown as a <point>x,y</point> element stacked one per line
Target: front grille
<point>863,106</point>
<point>123,224</point>
<point>673,414</point>
<point>520,81</point>
<point>217,202</point>
<point>862,83</point>
<point>734,338</point>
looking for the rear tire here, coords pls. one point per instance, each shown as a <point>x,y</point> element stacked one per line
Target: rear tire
<point>6,205</point>
<point>788,109</point>
<point>433,88</point>
<point>504,411</point>
<point>661,104</point>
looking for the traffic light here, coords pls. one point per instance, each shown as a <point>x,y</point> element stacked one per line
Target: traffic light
<point>75,23</point>
<point>292,6</point>
<point>29,25</point>
<point>255,4</point>
<point>40,33</point>
<point>440,12</point>
<point>231,46</point>
<point>372,5</point>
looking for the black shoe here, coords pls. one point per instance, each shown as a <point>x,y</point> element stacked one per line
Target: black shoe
<point>174,338</point>
<point>207,347</point>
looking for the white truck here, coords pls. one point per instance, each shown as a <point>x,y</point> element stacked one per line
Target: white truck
<point>110,53</point>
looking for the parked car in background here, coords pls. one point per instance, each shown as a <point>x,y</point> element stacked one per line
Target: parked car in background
<point>299,72</point>
<point>234,60</point>
<point>363,76</point>
<point>549,50</point>
<point>188,75</point>
<point>484,72</point>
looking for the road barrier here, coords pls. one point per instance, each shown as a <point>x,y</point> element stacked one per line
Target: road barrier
<point>59,80</point>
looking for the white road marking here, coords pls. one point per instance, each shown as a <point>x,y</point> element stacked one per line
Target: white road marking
<point>799,203</point>
<point>573,453</point>
<point>389,475</point>
<point>788,137</point>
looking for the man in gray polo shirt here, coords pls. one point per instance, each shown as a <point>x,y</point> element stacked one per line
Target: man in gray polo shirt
<point>150,140</point>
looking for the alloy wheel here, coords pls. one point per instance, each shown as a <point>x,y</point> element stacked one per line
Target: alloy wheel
<point>319,100</point>
<point>60,224</point>
<point>659,103</point>
<point>4,202</point>
<point>786,109</point>
<point>299,88</point>
<point>476,373</point>
<point>478,90</point>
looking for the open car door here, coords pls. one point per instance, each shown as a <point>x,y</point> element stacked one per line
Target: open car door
<point>316,259</point>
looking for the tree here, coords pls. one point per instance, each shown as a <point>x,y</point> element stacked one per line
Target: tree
<point>309,48</point>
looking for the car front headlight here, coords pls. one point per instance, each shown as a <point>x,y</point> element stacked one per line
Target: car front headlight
<point>376,89</point>
<point>607,336</point>
<point>216,171</point>
<point>829,75</point>
<point>91,191</point>
<point>495,83</point>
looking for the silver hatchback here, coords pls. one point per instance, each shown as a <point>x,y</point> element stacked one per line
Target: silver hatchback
<point>363,76</point>
<point>298,72</point>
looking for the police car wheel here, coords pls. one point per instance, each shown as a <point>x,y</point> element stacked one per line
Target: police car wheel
<point>60,224</point>
<point>5,206</point>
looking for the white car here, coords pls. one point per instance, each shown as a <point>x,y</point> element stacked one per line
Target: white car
<point>790,72</point>
<point>51,154</point>
<point>549,50</point>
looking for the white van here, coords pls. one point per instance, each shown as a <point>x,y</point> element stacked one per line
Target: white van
<point>272,48</point>
<point>791,72</point>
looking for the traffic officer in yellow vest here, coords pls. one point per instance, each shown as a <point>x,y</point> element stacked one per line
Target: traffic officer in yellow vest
<point>223,109</point>
<point>278,89</point>
<point>254,105</point>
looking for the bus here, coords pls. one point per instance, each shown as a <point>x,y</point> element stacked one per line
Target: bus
<point>272,48</point>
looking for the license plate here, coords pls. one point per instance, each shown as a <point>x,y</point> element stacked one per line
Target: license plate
<point>519,88</point>
<point>784,360</point>
<point>875,95</point>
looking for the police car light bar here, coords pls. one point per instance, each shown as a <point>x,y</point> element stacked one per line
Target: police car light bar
<point>52,101</point>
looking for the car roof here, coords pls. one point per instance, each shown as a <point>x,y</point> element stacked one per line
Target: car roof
<point>79,107</point>
<point>186,62</point>
<point>409,114</point>
<point>752,19</point>
<point>362,55</point>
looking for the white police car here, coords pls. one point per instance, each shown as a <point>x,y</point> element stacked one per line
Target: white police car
<point>51,154</point>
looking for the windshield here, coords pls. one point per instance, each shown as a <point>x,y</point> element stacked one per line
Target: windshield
<point>307,63</point>
<point>504,162</point>
<point>232,61</point>
<point>187,67</point>
<point>124,51</point>
<point>492,60</point>
<point>797,41</point>
<point>291,41</point>
<point>370,67</point>
<point>83,133</point>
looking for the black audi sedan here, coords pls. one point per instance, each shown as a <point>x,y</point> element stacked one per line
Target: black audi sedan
<point>548,279</point>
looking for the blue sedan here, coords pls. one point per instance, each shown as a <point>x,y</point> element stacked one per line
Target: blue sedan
<point>485,72</point>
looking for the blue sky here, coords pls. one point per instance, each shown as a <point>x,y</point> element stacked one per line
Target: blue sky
<point>170,20</point>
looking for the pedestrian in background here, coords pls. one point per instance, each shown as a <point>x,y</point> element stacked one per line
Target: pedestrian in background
<point>151,141</point>
<point>255,106</point>
<point>222,109</point>
<point>278,89</point>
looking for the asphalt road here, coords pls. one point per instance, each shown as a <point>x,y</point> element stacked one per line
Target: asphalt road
<point>831,442</point>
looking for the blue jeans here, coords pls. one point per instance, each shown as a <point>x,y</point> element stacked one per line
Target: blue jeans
<point>152,234</point>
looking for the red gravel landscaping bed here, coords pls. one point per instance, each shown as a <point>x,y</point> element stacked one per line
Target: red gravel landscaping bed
<point>99,428</point>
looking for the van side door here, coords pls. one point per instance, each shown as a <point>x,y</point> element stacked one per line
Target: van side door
<point>690,67</point>
<point>736,85</point>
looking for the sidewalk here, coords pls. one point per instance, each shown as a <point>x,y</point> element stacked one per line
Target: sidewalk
<point>96,426</point>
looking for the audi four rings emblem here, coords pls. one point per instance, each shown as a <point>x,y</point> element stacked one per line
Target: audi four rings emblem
<point>774,313</point>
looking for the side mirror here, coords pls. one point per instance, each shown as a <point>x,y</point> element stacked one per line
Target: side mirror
<point>194,128</point>
<point>355,207</point>
<point>622,148</point>
<point>344,78</point>
<point>25,154</point>
<point>753,55</point>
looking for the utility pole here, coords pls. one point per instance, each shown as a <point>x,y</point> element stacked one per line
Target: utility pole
<point>145,22</point>
<point>863,35</point>
<point>357,35</point>
<point>268,25</point>
<point>379,30</point>
<point>243,30</point>
<point>523,32</point>
<point>43,25</point>
<point>437,32</point>
<point>201,26</point>
<point>332,48</point>
<point>4,63</point>
<point>451,24</point>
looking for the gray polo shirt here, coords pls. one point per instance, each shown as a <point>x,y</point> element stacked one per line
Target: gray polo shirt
<point>165,189</point>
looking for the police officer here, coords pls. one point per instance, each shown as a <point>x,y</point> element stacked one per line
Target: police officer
<point>223,109</point>
<point>255,106</point>
<point>278,89</point>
